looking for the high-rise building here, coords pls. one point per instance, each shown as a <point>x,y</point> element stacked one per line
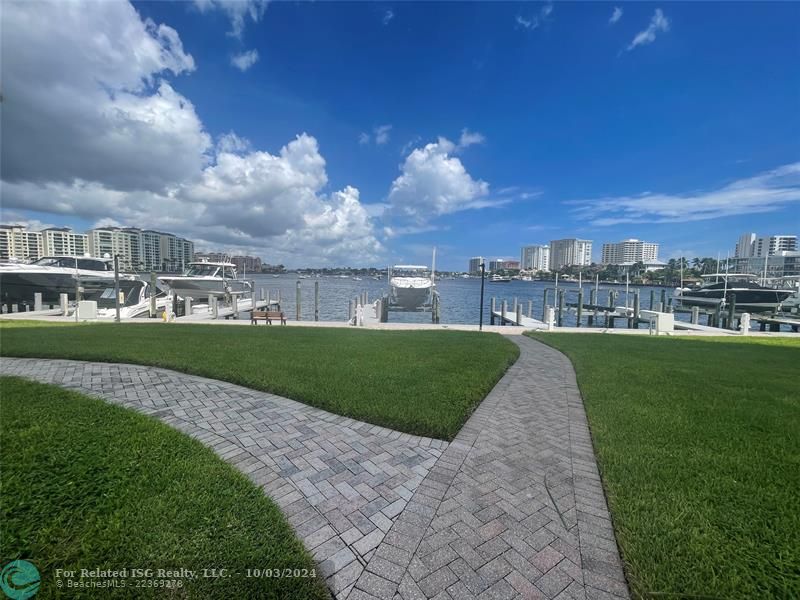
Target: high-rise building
<point>141,250</point>
<point>771,245</point>
<point>19,243</point>
<point>570,252</point>
<point>475,265</point>
<point>629,251</point>
<point>745,246</point>
<point>535,258</point>
<point>62,241</point>
<point>500,264</point>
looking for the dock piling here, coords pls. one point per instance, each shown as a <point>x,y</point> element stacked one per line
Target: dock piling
<point>695,315</point>
<point>580,307</point>
<point>316,300</point>
<point>652,298</point>
<point>494,309</point>
<point>732,312</point>
<point>64,303</point>
<point>544,304</point>
<point>519,314</point>
<point>153,291</point>
<point>634,321</point>
<point>530,309</point>
<point>560,307</point>
<point>37,301</point>
<point>297,300</point>
<point>187,306</point>
<point>504,307</point>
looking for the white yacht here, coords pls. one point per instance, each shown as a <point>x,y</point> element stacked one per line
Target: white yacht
<point>411,286</point>
<point>55,275</point>
<point>204,278</point>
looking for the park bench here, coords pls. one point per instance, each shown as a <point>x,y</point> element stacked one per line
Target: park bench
<point>268,316</point>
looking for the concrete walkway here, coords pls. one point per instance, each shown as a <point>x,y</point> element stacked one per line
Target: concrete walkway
<point>513,507</point>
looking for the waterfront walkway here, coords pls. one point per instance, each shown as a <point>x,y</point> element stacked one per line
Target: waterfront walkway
<point>513,507</point>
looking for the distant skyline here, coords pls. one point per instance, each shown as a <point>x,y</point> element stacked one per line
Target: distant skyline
<point>315,134</point>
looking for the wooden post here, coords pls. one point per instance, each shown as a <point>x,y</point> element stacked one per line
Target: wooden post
<point>187,306</point>
<point>214,307</point>
<point>610,307</point>
<point>717,314</point>
<point>316,300</point>
<point>37,301</point>
<point>580,306</point>
<point>279,296</point>
<point>515,305</point>
<point>530,309</point>
<point>64,303</point>
<point>560,307</point>
<point>519,314</point>
<point>732,312</point>
<point>503,306</point>
<point>297,301</point>
<point>491,312</point>
<point>695,315</point>
<point>544,304</point>
<point>663,301</point>
<point>153,290</point>
<point>262,295</point>
<point>349,310</point>
<point>652,298</point>
<point>593,304</point>
<point>635,320</point>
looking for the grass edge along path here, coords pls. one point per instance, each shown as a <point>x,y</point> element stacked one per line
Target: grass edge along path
<point>89,485</point>
<point>425,383</point>
<point>698,443</point>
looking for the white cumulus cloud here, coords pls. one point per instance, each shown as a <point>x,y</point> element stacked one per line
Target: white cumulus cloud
<point>245,60</point>
<point>433,182</point>
<point>101,135</point>
<point>658,23</point>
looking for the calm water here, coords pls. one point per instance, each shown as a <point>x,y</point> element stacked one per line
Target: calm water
<point>460,297</point>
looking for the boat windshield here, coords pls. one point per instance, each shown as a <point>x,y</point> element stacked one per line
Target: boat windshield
<point>411,272</point>
<point>56,261</point>
<point>202,270</point>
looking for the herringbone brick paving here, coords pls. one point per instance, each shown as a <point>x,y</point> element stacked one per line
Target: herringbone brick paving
<point>512,508</point>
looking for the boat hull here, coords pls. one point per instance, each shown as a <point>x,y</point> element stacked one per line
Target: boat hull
<point>21,287</point>
<point>410,297</point>
<point>747,300</point>
<point>192,287</point>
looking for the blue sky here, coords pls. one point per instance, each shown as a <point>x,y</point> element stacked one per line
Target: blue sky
<point>676,123</point>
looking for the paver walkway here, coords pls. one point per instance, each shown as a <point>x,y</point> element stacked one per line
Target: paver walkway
<point>512,508</point>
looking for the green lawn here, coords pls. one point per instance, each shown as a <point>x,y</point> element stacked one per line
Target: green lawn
<point>699,446</point>
<point>86,484</point>
<point>421,382</point>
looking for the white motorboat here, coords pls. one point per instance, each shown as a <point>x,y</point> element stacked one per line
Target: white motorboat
<point>499,279</point>
<point>204,278</point>
<point>55,275</point>
<point>134,304</point>
<point>411,286</point>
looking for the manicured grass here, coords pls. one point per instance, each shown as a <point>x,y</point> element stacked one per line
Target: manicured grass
<point>89,485</point>
<point>699,445</point>
<point>422,382</point>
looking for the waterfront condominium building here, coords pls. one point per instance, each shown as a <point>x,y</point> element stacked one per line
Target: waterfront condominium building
<point>535,258</point>
<point>773,244</point>
<point>18,243</point>
<point>500,264</point>
<point>141,250</point>
<point>569,252</point>
<point>62,241</point>
<point>475,265</point>
<point>629,251</point>
<point>745,246</point>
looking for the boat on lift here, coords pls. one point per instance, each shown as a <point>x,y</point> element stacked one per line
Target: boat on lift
<point>204,278</point>
<point>55,275</point>
<point>750,296</point>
